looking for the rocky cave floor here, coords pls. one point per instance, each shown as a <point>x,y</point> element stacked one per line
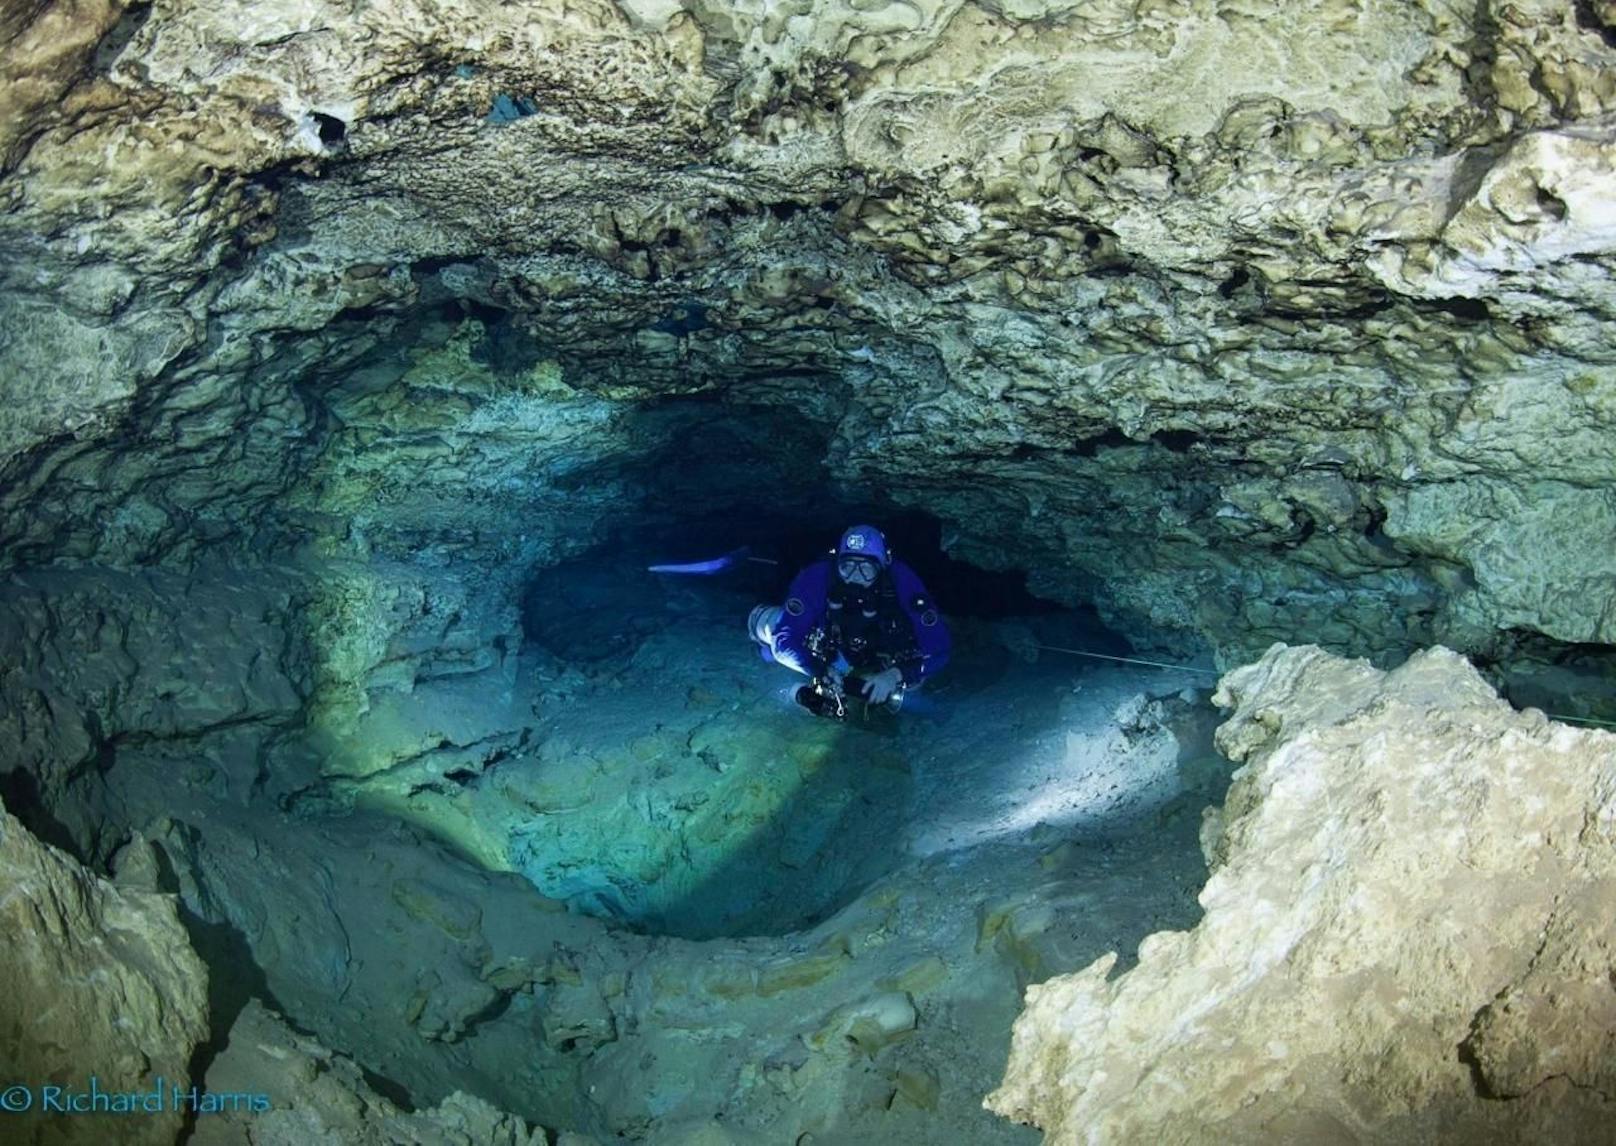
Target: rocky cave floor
<point>748,921</point>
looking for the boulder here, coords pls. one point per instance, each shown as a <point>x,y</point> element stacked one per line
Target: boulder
<point>105,1002</point>
<point>1405,935</point>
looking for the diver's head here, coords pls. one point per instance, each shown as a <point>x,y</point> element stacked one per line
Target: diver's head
<point>861,554</point>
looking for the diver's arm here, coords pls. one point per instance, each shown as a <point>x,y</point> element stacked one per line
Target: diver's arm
<point>805,608</point>
<point>932,642</point>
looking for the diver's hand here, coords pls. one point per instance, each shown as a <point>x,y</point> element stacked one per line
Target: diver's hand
<point>880,687</point>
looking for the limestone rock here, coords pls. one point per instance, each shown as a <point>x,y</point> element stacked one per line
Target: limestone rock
<point>436,974</point>
<point>1399,941</point>
<point>868,1025</point>
<point>96,655</point>
<point>46,46</point>
<point>1525,546</point>
<point>101,983</point>
<point>1543,203</point>
<point>577,1018</point>
<point>312,1094</point>
<point>1559,1019</point>
<point>1173,313</point>
<point>232,655</point>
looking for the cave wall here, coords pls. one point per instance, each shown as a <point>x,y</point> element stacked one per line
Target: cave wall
<point>1243,324</point>
<point>323,325</point>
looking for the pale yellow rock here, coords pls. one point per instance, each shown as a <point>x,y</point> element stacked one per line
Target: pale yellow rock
<point>868,1025</point>
<point>1559,1019</point>
<point>794,973</point>
<point>918,978</point>
<point>1403,866</point>
<point>918,1087</point>
<point>45,48</point>
<point>433,905</point>
<point>730,981</point>
<point>1543,203</point>
<point>100,981</point>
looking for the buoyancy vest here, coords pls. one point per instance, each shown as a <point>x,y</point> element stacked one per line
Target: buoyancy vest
<point>867,625</point>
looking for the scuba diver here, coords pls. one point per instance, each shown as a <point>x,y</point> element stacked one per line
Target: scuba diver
<point>856,622</point>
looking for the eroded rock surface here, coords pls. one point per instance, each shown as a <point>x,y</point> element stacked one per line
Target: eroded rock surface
<point>100,981</point>
<point>1400,941</point>
<point>315,1095</point>
<point>322,326</point>
<point>866,925</point>
<point>1218,316</point>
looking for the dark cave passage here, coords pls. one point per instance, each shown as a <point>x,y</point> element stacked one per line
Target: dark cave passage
<point>591,605</point>
<point>666,656</point>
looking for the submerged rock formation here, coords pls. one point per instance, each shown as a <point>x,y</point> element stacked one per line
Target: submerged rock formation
<point>106,1009</point>
<point>1406,934</point>
<point>852,940</point>
<point>1246,324</point>
<point>324,1097</point>
<point>331,335</point>
<point>103,995</point>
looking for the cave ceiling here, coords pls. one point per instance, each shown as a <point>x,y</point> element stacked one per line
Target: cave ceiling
<point>1246,322</point>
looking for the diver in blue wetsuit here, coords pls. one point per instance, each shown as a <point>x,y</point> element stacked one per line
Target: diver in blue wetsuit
<point>857,622</point>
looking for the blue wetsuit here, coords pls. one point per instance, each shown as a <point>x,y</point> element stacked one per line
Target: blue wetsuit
<point>893,622</point>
